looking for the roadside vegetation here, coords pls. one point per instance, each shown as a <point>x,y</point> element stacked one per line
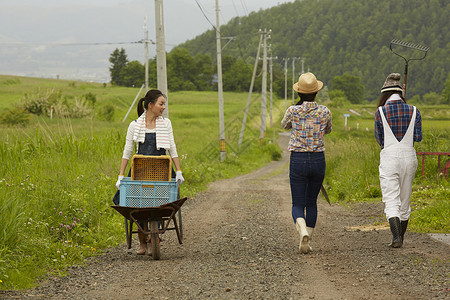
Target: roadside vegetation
<point>59,165</point>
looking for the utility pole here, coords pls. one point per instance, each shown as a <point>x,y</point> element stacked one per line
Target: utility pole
<point>271,81</point>
<point>293,78</point>
<point>161,69</point>
<point>146,54</point>
<point>241,136</point>
<point>264,91</point>
<point>270,87</point>
<point>285,82</point>
<point>219,86</point>
<point>303,66</point>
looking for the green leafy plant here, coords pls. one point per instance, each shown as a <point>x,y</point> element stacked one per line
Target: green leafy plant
<point>106,112</point>
<point>40,102</point>
<point>15,116</point>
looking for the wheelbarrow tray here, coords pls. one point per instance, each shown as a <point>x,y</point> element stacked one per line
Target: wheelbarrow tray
<point>155,215</point>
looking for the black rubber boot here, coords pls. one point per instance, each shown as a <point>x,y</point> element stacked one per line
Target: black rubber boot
<point>404,225</point>
<point>394,223</point>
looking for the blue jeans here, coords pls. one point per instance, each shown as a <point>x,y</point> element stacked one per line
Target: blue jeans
<point>306,174</point>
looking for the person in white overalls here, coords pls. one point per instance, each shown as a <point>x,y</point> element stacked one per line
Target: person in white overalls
<point>397,126</point>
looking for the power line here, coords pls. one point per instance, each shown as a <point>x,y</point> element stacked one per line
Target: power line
<point>244,7</point>
<point>72,44</point>
<point>201,9</point>
<point>235,9</point>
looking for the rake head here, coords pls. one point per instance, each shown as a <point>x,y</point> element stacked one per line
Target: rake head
<point>410,45</point>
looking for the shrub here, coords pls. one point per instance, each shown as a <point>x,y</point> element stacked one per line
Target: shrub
<point>15,116</point>
<point>106,113</point>
<point>338,99</point>
<point>39,103</point>
<point>79,109</point>
<point>274,151</point>
<point>90,98</point>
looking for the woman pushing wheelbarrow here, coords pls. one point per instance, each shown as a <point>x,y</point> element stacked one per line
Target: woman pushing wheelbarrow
<point>153,135</point>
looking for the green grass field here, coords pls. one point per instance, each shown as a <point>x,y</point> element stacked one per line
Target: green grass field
<point>57,176</point>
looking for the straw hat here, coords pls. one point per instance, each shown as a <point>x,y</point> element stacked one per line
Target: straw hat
<point>392,83</point>
<point>307,84</point>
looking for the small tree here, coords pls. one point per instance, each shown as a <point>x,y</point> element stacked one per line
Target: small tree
<point>118,60</point>
<point>132,74</point>
<point>433,98</point>
<point>338,98</point>
<point>350,85</point>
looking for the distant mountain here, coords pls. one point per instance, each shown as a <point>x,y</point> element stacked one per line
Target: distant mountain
<point>347,36</point>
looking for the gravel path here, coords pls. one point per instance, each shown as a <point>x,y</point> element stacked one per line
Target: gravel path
<point>240,243</point>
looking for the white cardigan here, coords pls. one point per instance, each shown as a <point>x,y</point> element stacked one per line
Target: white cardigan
<point>128,149</point>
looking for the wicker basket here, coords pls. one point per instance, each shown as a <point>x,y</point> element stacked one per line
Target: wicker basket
<point>151,168</point>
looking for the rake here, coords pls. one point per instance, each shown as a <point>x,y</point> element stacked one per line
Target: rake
<point>411,46</point>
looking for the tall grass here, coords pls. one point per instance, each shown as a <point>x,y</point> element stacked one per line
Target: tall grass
<point>54,199</point>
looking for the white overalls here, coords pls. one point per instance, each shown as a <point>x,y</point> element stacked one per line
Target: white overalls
<point>398,164</point>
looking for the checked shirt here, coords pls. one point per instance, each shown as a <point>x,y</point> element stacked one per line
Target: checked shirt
<point>398,114</point>
<point>309,123</point>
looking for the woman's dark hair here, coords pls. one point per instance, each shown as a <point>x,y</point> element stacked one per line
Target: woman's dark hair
<point>306,97</point>
<point>150,97</point>
<point>385,95</point>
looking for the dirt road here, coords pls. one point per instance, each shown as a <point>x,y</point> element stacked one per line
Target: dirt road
<point>241,243</point>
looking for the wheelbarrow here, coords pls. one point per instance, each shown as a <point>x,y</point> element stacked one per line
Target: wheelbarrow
<point>150,199</point>
<point>154,220</point>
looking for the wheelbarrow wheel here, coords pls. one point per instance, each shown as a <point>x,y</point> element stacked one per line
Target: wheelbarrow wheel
<point>154,238</point>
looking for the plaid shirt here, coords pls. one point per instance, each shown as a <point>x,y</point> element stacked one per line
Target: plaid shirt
<point>309,123</point>
<point>398,115</point>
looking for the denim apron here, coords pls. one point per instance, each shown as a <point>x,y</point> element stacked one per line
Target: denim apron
<point>148,147</point>
<point>398,164</point>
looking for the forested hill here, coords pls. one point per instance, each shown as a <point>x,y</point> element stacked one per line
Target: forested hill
<point>347,36</point>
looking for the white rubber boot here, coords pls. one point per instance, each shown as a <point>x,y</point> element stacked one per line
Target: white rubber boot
<point>304,236</point>
<point>310,231</point>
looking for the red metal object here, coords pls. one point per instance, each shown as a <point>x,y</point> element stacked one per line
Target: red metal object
<point>444,170</point>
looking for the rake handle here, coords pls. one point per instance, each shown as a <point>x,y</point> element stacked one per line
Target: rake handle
<point>404,80</point>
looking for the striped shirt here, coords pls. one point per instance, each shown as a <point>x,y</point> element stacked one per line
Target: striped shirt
<point>398,115</point>
<point>309,122</point>
<point>129,142</point>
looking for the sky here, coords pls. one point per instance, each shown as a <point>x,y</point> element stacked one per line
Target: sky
<point>73,39</point>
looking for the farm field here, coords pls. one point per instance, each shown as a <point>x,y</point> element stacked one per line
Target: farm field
<point>57,175</point>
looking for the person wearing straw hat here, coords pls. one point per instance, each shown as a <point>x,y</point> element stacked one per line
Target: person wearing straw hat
<point>397,126</point>
<point>308,122</point>
<point>153,135</point>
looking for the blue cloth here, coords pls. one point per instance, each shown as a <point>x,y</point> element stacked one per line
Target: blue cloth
<point>306,174</point>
